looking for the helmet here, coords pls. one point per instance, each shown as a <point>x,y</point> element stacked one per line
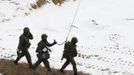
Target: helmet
<point>44,36</point>
<point>74,40</point>
<point>26,30</point>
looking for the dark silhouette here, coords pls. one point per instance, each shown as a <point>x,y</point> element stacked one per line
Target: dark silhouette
<point>43,52</point>
<point>69,53</point>
<point>23,46</point>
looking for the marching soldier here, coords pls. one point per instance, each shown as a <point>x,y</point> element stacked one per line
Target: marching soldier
<point>23,46</point>
<point>69,53</point>
<point>43,52</point>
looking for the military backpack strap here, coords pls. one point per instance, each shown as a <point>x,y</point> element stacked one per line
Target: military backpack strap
<point>66,45</point>
<point>66,48</point>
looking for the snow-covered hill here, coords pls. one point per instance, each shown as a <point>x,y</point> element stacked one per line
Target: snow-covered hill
<point>104,29</point>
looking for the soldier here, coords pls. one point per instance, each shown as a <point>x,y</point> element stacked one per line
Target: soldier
<point>69,53</point>
<point>43,52</point>
<point>23,46</point>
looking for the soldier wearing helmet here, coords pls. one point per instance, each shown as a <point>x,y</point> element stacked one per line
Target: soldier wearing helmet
<point>43,52</point>
<point>69,53</point>
<point>23,46</point>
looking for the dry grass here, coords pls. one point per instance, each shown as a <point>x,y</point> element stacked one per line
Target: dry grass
<point>39,4</point>
<point>7,67</point>
<point>58,2</point>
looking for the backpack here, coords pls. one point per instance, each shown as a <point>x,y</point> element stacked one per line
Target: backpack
<point>66,45</point>
<point>66,51</point>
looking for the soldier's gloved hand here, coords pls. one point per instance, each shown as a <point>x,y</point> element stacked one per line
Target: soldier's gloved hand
<point>18,52</point>
<point>50,50</point>
<point>62,58</point>
<point>55,42</point>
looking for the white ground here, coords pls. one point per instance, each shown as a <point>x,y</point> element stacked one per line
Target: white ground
<point>104,29</point>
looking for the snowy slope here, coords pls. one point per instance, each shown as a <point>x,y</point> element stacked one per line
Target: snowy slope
<point>104,29</point>
<point>11,9</point>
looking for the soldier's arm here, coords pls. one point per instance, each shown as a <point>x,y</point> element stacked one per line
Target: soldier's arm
<point>49,45</point>
<point>62,57</point>
<point>75,52</point>
<point>20,43</point>
<point>30,36</point>
<point>39,48</point>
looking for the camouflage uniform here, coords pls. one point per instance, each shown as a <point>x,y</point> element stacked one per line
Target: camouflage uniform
<point>43,52</point>
<point>23,46</point>
<point>69,53</point>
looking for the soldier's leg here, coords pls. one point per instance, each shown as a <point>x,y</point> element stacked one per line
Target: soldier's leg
<point>46,63</point>
<point>74,66</point>
<point>65,65</point>
<point>18,58</point>
<point>28,57</point>
<point>37,64</point>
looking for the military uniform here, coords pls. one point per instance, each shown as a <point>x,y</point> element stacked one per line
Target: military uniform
<point>43,52</point>
<point>69,53</point>
<point>23,46</point>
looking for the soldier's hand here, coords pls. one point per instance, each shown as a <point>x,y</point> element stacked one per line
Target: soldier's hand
<point>62,58</point>
<point>55,42</point>
<point>50,50</point>
<point>18,52</point>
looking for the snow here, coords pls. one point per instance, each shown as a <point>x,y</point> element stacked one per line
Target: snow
<point>1,74</point>
<point>104,29</point>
